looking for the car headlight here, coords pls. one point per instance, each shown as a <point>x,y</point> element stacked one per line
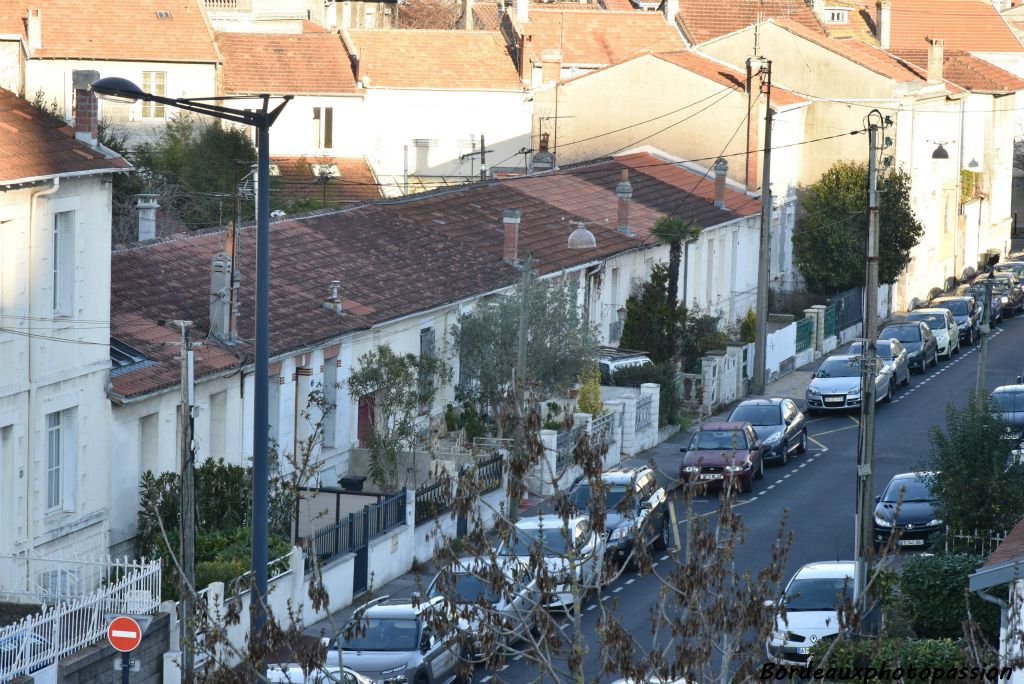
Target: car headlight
<point>964,325</point>
<point>780,635</point>
<point>812,390</point>
<point>916,354</point>
<point>940,335</point>
<point>934,522</point>
<point>855,392</point>
<point>621,532</point>
<point>773,438</point>
<point>1005,300</point>
<point>737,468</point>
<point>882,521</point>
<point>691,469</point>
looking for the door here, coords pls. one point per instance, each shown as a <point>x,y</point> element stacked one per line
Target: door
<point>364,427</point>
<point>359,529</point>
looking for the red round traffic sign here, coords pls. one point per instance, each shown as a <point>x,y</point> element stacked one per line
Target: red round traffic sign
<point>124,634</point>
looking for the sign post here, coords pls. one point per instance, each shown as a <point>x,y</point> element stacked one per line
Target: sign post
<point>125,635</point>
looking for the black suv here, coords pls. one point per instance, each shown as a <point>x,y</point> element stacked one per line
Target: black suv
<point>633,500</point>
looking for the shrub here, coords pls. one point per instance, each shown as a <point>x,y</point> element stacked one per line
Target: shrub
<point>590,391</point>
<point>935,592</point>
<point>664,374</point>
<point>888,653</point>
<point>748,327</point>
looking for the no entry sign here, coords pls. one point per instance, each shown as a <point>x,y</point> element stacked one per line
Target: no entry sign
<point>124,634</point>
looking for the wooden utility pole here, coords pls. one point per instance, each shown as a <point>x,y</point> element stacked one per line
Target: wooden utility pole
<point>188,507</point>
<point>524,340</point>
<point>764,67</point>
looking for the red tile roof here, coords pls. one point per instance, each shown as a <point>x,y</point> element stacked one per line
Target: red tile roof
<point>1010,549</point>
<point>618,5</point>
<point>35,146</point>
<point>280,63</point>
<point>488,16</point>
<point>117,29</point>
<point>443,60</point>
<point>355,181</point>
<point>972,25</point>
<point>702,21</point>
<point>968,71</point>
<point>598,37</point>
<point>393,258</point>
<point>725,75</point>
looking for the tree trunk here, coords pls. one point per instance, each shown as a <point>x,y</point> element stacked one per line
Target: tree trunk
<point>674,257</point>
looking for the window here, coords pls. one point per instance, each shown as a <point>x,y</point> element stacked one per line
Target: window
<point>838,16</point>
<point>274,408</point>
<point>60,460</point>
<point>426,379</point>
<point>331,395</point>
<point>155,83</point>
<point>323,127</point>
<point>614,294</point>
<point>63,258</point>
<point>218,424</point>
<point>148,444</point>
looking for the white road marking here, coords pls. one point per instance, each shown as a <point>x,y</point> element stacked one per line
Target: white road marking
<point>616,590</point>
<point>664,558</point>
<point>786,476</point>
<point>631,580</point>
<point>802,465</point>
<point>485,679</point>
<point>592,607</point>
<point>771,486</point>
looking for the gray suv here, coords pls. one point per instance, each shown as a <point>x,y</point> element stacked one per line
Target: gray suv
<point>393,642</point>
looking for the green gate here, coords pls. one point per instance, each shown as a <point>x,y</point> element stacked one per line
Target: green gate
<point>804,331</point>
<point>830,321</point>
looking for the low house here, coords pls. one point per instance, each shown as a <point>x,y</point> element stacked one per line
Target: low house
<point>1003,575</point>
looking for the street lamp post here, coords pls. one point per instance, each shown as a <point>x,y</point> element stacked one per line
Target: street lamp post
<point>261,119</point>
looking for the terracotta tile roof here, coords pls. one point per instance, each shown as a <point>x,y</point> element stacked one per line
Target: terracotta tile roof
<point>702,21</point>
<point>972,25</point>
<point>443,60</point>
<point>309,26</point>
<point>968,71</point>
<point>487,15</point>
<point>1010,549</point>
<point>598,37</point>
<point>354,183</point>
<point>725,75</point>
<point>860,21</point>
<point>278,63</point>
<point>618,5</point>
<point>118,29</point>
<point>393,258</point>
<point>34,146</point>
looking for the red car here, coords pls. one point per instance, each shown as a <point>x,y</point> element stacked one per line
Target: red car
<point>721,452</point>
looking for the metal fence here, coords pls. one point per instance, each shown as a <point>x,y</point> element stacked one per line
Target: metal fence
<point>488,473</point>
<point>981,542</point>
<point>849,308</point>
<point>643,414</point>
<point>241,584</point>
<point>602,429</point>
<point>49,579</point>
<point>433,500</point>
<point>39,640</point>
<point>565,445</point>
<point>829,329</point>
<point>387,515</point>
<point>804,334</point>
<point>355,531</point>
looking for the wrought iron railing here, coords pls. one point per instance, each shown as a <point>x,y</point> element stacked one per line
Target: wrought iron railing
<point>804,333</point>
<point>643,414</point>
<point>433,500</point>
<point>488,473</point>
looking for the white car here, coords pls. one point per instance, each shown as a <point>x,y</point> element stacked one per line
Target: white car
<point>810,603</point>
<point>555,536</point>
<point>329,674</point>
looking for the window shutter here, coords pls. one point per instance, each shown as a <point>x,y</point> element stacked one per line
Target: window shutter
<point>69,471</point>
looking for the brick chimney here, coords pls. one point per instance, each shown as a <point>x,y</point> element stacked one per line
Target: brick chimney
<point>147,206</point>
<point>550,66</point>
<point>35,29</point>
<point>935,51</point>
<point>671,9</point>
<point>523,11</point>
<point>87,117</point>
<point>220,295</point>
<point>362,78</point>
<point>467,15</point>
<point>510,220</point>
<point>625,192</point>
<point>721,170</point>
<point>333,301</point>
<point>883,22</point>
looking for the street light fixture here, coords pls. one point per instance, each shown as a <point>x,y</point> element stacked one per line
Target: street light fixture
<point>582,238</point>
<point>123,90</point>
<point>940,152</point>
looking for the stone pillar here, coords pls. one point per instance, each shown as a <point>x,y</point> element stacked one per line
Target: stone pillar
<point>629,425</point>
<point>709,372</point>
<point>734,352</point>
<point>819,327</point>
<point>546,469</point>
<point>812,316</point>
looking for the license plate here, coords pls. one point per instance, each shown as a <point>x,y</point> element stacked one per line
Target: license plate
<point>711,476</point>
<point>803,650</point>
<point>833,400</point>
<point>911,542</point>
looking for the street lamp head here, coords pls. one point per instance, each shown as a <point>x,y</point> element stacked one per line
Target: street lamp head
<point>940,153</point>
<point>974,164</point>
<point>582,238</point>
<point>117,89</point>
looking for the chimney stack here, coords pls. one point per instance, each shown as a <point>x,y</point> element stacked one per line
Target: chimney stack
<point>935,50</point>
<point>721,170</point>
<point>147,206</point>
<point>510,219</point>
<point>671,9</point>
<point>35,29</point>
<point>220,295</point>
<point>87,120</point>
<point>467,15</point>
<point>883,23</point>
<point>333,301</point>
<point>523,11</point>
<point>625,192</point>
<point>818,7</point>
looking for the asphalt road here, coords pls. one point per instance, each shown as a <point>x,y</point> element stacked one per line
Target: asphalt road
<point>818,488</point>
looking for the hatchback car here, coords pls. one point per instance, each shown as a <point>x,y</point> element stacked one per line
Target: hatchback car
<point>723,454</point>
<point>917,338</point>
<point>977,290</point>
<point>779,424</point>
<point>1009,402</point>
<point>893,354</point>
<point>906,505</point>
<point>809,610</point>
<point>836,384</point>
<point>966,313</point>
<point>1007,288</point>
<point>551,538</point>
<point>635,506</point>
<point>942,324</point>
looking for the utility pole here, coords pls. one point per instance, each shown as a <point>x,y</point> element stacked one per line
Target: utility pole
<point>232,251</point>
<point>483,157</point>
<point>188,507</point>
<point>986,312</point>
<point>764,67</point>
<point>524,341</point>
<point>866,442</point>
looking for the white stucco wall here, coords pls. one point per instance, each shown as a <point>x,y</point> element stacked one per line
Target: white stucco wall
<point>293,134</point>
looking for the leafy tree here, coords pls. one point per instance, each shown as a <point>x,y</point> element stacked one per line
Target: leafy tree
<point>831,238</point>
<point>675,232</point>
<point>934,589</point>
<point>748,327</point>
<point>401,384</point>
<point>652,324</point>
<point>702,332</point>
<point>670,408</point>
<point>975,482</point>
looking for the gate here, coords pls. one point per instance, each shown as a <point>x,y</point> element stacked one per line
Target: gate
<point>361,542</point>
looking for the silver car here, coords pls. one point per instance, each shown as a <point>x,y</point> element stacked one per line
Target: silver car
<point>492,604</point>
<point>894,356</point>
<point>552,537</point>
<point>393,642</point>
<point>836,384</point>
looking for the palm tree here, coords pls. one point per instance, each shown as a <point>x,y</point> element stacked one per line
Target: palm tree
<point>675,232</point>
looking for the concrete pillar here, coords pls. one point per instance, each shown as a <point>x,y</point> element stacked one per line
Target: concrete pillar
<point>819,327</point>
<point>629,425</point>
<point>734,352</point>
<point>172,667</point>
<point>546,469</point>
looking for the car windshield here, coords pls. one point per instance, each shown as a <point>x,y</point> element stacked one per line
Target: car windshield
<point>957,306</point>
<point>613,495</point>
<point>524,541</point>
<point>757,415</point>
<point>934,321</point>
<point>883,349</point>
<point>839,368</point>
<point>903,333</point>
<point>379,634</point>
<point>466,588</point>
<point>1009,402</point>
<point>1001,287</point>
<point>718,439</point>
<point>914,489</point>
<point>819,593</point>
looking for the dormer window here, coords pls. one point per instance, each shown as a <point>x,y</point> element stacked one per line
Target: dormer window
<point>837,15</point>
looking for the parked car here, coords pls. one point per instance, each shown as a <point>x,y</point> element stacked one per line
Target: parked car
<point>976,290</point>
<point>908,506</point>
<point>917,338</point>
<point>836,384</point>
<point>550,537</point>
<point>293,674</point>
<point>1014,267</point>
<point>395,641</point>
<point>779,424</point>
<point>894,356</point>
<point>490,614</point>
<point>809,610</point>
<point>942,324</point>
<point>966,313</point>
<point>634,504</point>
<point>1009,401</point>
<point>1009,292</point>
<point>612,359</point>
<point>723,453</point>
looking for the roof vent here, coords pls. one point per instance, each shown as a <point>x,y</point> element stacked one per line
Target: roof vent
<point>334,298</point>
<point>163,14</point>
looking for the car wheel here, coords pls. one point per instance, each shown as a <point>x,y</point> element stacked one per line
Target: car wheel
<point>970,336</point>
<point>661,542</point>
<point>421,679</point>
<point>889,392</point>
<point>802,448</point>
<point>784,459</point>
<point>747,486</point>
<point>760,471</point>
<point>906,380</point>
